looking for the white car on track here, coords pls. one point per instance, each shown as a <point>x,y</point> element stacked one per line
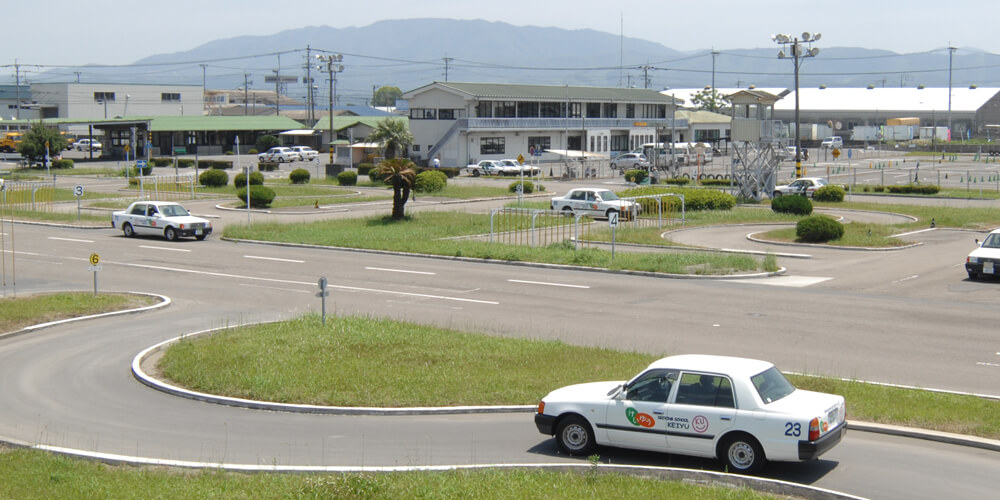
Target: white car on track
<point>805,186</point>
<point>985,260</point>
<point>160,218</point>
<point>306,153</point>
<point>595,202</point>
<point>485,167</point>
<point>279,155</point>
<point>743,412</point>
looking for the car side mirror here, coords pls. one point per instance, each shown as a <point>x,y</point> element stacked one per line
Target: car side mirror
<point>617,391</point>
<point>977,242</point>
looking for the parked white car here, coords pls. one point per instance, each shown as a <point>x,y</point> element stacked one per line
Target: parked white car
<point>805,186</point>
<point>160,218</point>
<point>485,167</point>
<point>985,260</point>
<point>306,153</point>
<point>87,144</point>
<point>740,411</point>
<point>832,143</point>
<point>278,154</point>
<point>595,202</point>
<point>629,161</point>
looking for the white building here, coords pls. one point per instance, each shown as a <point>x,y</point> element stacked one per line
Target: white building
<point>111,100</point>
<point>462,123</point>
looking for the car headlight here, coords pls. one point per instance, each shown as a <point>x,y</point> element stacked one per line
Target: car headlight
<point>973,260</point>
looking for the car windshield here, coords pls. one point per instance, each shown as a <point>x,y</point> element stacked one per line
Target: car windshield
<point>173,210</point>
<point>607,195</point>
<point>992,241</point>
<point>772,385</point>
<point>821,182</point>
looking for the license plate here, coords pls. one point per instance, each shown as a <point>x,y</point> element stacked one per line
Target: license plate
<point>197,232</point>
<point>987,267</point>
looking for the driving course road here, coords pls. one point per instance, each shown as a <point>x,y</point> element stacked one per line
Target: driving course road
<point>907,317</point>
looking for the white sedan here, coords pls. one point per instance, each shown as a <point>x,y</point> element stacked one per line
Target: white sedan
<point>743,412</point>
<point>805,186</point>
<point>160,218</point>
<point>485,167</point>
<point>306,153</point>
<point>278,154</point>
<point>985,260</point>
<point>595,202</point>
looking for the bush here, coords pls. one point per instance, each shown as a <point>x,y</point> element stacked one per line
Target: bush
<point>162,161</point>
<point>677,181</point>
<point>253,151</point>
<point>818,229</point>
<point>450,172</point>
<point>267,166</point>
<point>266,142</point>
<point>430,181</point>
<point>636,176</point>
<point>256,179</point>
<point>347,178</point>
<point>365,168</point>
<point>217,164</point>
<point>914,189</point>
<point>374,175</point>
<point>147,170</point>
<point>229,153</point>
<point>185,162</point>
<point>213,178</point>
<point>299,176</point>
<point>694,198</point>
<point>715,182</point>
<point>260,196</point>
<point>829,192</point>
<point>792,204</point>
<point>529,187</point>
<point>62,163</point>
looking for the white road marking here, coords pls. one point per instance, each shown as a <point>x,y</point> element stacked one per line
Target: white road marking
<point>165,248</point>
<point>548,284</point>
<point>275,288</point>
<point>790,281</point>
<point>70,239</point>
<point>915,232</point>
<point>274,258</point>
<point>908,278</point>
<point>397,270</point>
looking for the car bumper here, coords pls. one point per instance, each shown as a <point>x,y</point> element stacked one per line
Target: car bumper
<point>978,269</point>
<point>811,450</point>
<point>546,423</point>
<point>195,232</point>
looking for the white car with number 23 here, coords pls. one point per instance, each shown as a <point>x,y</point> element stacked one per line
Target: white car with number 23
<point>740,411</point>
<point>160,218</point>
<point>595,202</point>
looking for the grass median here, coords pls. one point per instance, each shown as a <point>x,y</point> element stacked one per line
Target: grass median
<point>356,361</point>
<point>19,312</point>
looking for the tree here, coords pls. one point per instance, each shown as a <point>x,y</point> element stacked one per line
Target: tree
<point>386,96</point>
<point>394,135</point>
<point>710,100</point>
<point>266,142</point>
<point>32,146</point>
<point>399,173</point>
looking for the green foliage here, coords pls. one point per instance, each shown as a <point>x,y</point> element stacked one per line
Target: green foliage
<point>229,152</point>
<point>161,161</point>
<point>256,179</point>
<point>375,176</point>
<point>636,176</point>
<point>715,182</point>
<point>914,189</point>
<point>260,196</point>
<point>830,192</point>
<point>62,163</point>
<point>365,168</point>
<point>399,173</point>
<point>529,187</point>
<point>213,178</point>
<point>147,170</point>
<point>677,181</point>
<point>710,100</point>
<point>694,198</point>
<point>818,229</point>
<point>185,162</point>
<point>393,134</point>
<point>347,178</point>
<point>216,164</point>
<point>253,151</point>
<point>32,145</point>
<point>299,176</point>
<point>266,142</point>
<point>267,166</point>
<point>448,171</point>
<point>386,96</point>
<point>430,181</point>
<point>792,204</point>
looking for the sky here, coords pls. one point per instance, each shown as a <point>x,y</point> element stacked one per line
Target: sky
<point>54,32</point>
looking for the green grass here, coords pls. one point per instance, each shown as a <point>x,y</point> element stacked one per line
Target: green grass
<point>356,361</point>
<point>31,474</point>
<point>856,234</point>
<point>424,233</point>
<point>56,217</point>
<point>19,312</point>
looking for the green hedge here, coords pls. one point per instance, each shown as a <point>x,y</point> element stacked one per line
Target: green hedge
<point>818,229</point>
<point>694,199</point>
<point>677,181</point>
<point>213,178</point>
<point>162,161</point>
<point>715,182</point>
<point>62,163</point>
<point>830,192</point>
<point>347,178</point>
<point>792,204</point>
<point>217,164</point>
<point>299,176</point>
<point>430,181</point>
<point>636,176</point>
<point>914,189</point>
<point>365,168</point>
<point>185,162</point>
<point>260,196</point>
<point>529,187</point>
<point>267,166</point>
<point>450,172</point>
<point>256,179</point>
<point>147,170</point>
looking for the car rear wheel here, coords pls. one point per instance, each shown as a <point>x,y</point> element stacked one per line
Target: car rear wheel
<point>170,234</point>
<point>128,230</point>
<point>475,173</point>
<point>610,211</point>
<point>574,436</point>
<point>775,194</point>
<point>567,210</point>
<point>742,454</point>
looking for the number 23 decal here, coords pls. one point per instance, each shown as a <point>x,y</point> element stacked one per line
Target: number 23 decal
<point>793,429</point>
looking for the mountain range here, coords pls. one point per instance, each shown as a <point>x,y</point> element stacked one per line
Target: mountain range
<point>414,52</point>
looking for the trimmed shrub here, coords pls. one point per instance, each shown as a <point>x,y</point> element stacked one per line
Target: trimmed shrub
<point>217,164</point>
<point>185,162</point>
<point>677,181</point>
<point>792,204</point>
<point>879,188</point>
<point>914,189</point>
<point>256,179</point>
<point>818,229</point>
<point>260,196</point>
<point>267,166</point>
<point>162,161</point>
<point>299,176</point>
<point>229,153</point>
<point>374,175</point>
<point>529,187</point>
<point>62,163</point>
<point>715,182</point>
<point>694,198</point>
<point>450,172</point>
<point>430,181</point>
<point>347,178</point>
<point>636,176</point>
<point>830,192</point>
<point>365,168</point>
<point>253,151</point>
<point>213,178</point>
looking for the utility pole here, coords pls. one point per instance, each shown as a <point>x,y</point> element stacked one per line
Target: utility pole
<point>645,75</point>
<point>714,53</point>
<point>951,52</point>
<point>374,90</point>
<point>447,60</point>
<point>77,73</point>
<point>333,67</point>
<point>17,89</point>
<point>277,88</point>
<point>309,86</point>
<point>246,92</point>
<point>203,87</point>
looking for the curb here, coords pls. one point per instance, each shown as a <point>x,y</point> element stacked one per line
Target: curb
<point>165,301</point>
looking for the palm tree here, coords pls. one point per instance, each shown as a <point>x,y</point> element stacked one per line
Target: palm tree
<point>394,135</point>
<point>400,174</point>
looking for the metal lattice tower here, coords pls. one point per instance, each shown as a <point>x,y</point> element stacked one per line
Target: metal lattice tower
<point>755,169</point>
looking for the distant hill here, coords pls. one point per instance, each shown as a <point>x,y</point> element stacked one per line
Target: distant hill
<point>411,53</point>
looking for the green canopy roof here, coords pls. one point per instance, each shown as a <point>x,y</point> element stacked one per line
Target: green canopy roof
<point>224,123</point>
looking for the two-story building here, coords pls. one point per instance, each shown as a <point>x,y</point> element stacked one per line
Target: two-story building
<point>462,123</point>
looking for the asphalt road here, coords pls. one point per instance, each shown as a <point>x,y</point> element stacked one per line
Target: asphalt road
<point>907,317</point>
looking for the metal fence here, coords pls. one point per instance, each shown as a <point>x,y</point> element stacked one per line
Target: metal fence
<point>24,195</point>
<point>167,187</point>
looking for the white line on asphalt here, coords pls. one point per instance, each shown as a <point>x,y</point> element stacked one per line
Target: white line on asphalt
<point>914,232</point>
<point>908,278</point>
<point>274,258</point>
<point>548,284</point>
<point>165,248</point>
<point>397,270</point>
<point>70,239</point>
<point>983,363</point>
<point>275,288</point>
<point>789,281</point>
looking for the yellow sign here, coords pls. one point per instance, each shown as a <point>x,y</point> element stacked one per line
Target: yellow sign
<point>127,148</point>
<point>520,159</point>
<point>836,153</point>
<point>94,259</point>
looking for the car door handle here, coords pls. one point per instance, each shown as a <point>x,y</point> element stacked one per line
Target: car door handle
<point>725,417</point>
<point>657,412</point>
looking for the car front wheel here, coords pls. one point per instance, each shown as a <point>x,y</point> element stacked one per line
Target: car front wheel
<point>742,454</point>
<point>170,234</point>
<point>128,230</point>
<point>574,436</point>
<point>775,194</point>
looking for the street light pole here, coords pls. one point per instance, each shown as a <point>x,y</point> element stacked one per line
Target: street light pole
<point>333,66</point>
<point>796,47</point>
<point>951,52</point>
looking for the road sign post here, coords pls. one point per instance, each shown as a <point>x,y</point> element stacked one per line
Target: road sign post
<point>613,222</point>
<point>78,191</point>
<point>94,260</point>
<point>322,295</point>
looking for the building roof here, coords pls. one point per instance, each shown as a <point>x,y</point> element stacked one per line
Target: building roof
<point>227,123</point>
<point>888,99</point>
<point>702,117</point>
<point>687,94</point>
<point>346,121</point>
<point>488,91</point>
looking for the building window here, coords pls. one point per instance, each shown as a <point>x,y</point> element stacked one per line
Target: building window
<point>170,96</point>
<point>619,143</point>
<point>423,114</point>
<point>604,142</point>
<point>575,108</point>
<point>551,110</point>
<point>484,109</point>
<point>527,110</point>
<point>504,109</point>
<point>610,110</point>
<point>492,145</point>
<point>630,111</point>
<point>593,110</point>
<point>104,96</point>
<point>446,114</point>
<point>707,135</point>
<point>591,143</point>
<point>416,148</point>
<point>540,143</point>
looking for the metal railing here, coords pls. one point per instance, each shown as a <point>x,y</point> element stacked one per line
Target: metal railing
<point>24,195</point>
<point>167,187</point>
<point>533,227</point>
